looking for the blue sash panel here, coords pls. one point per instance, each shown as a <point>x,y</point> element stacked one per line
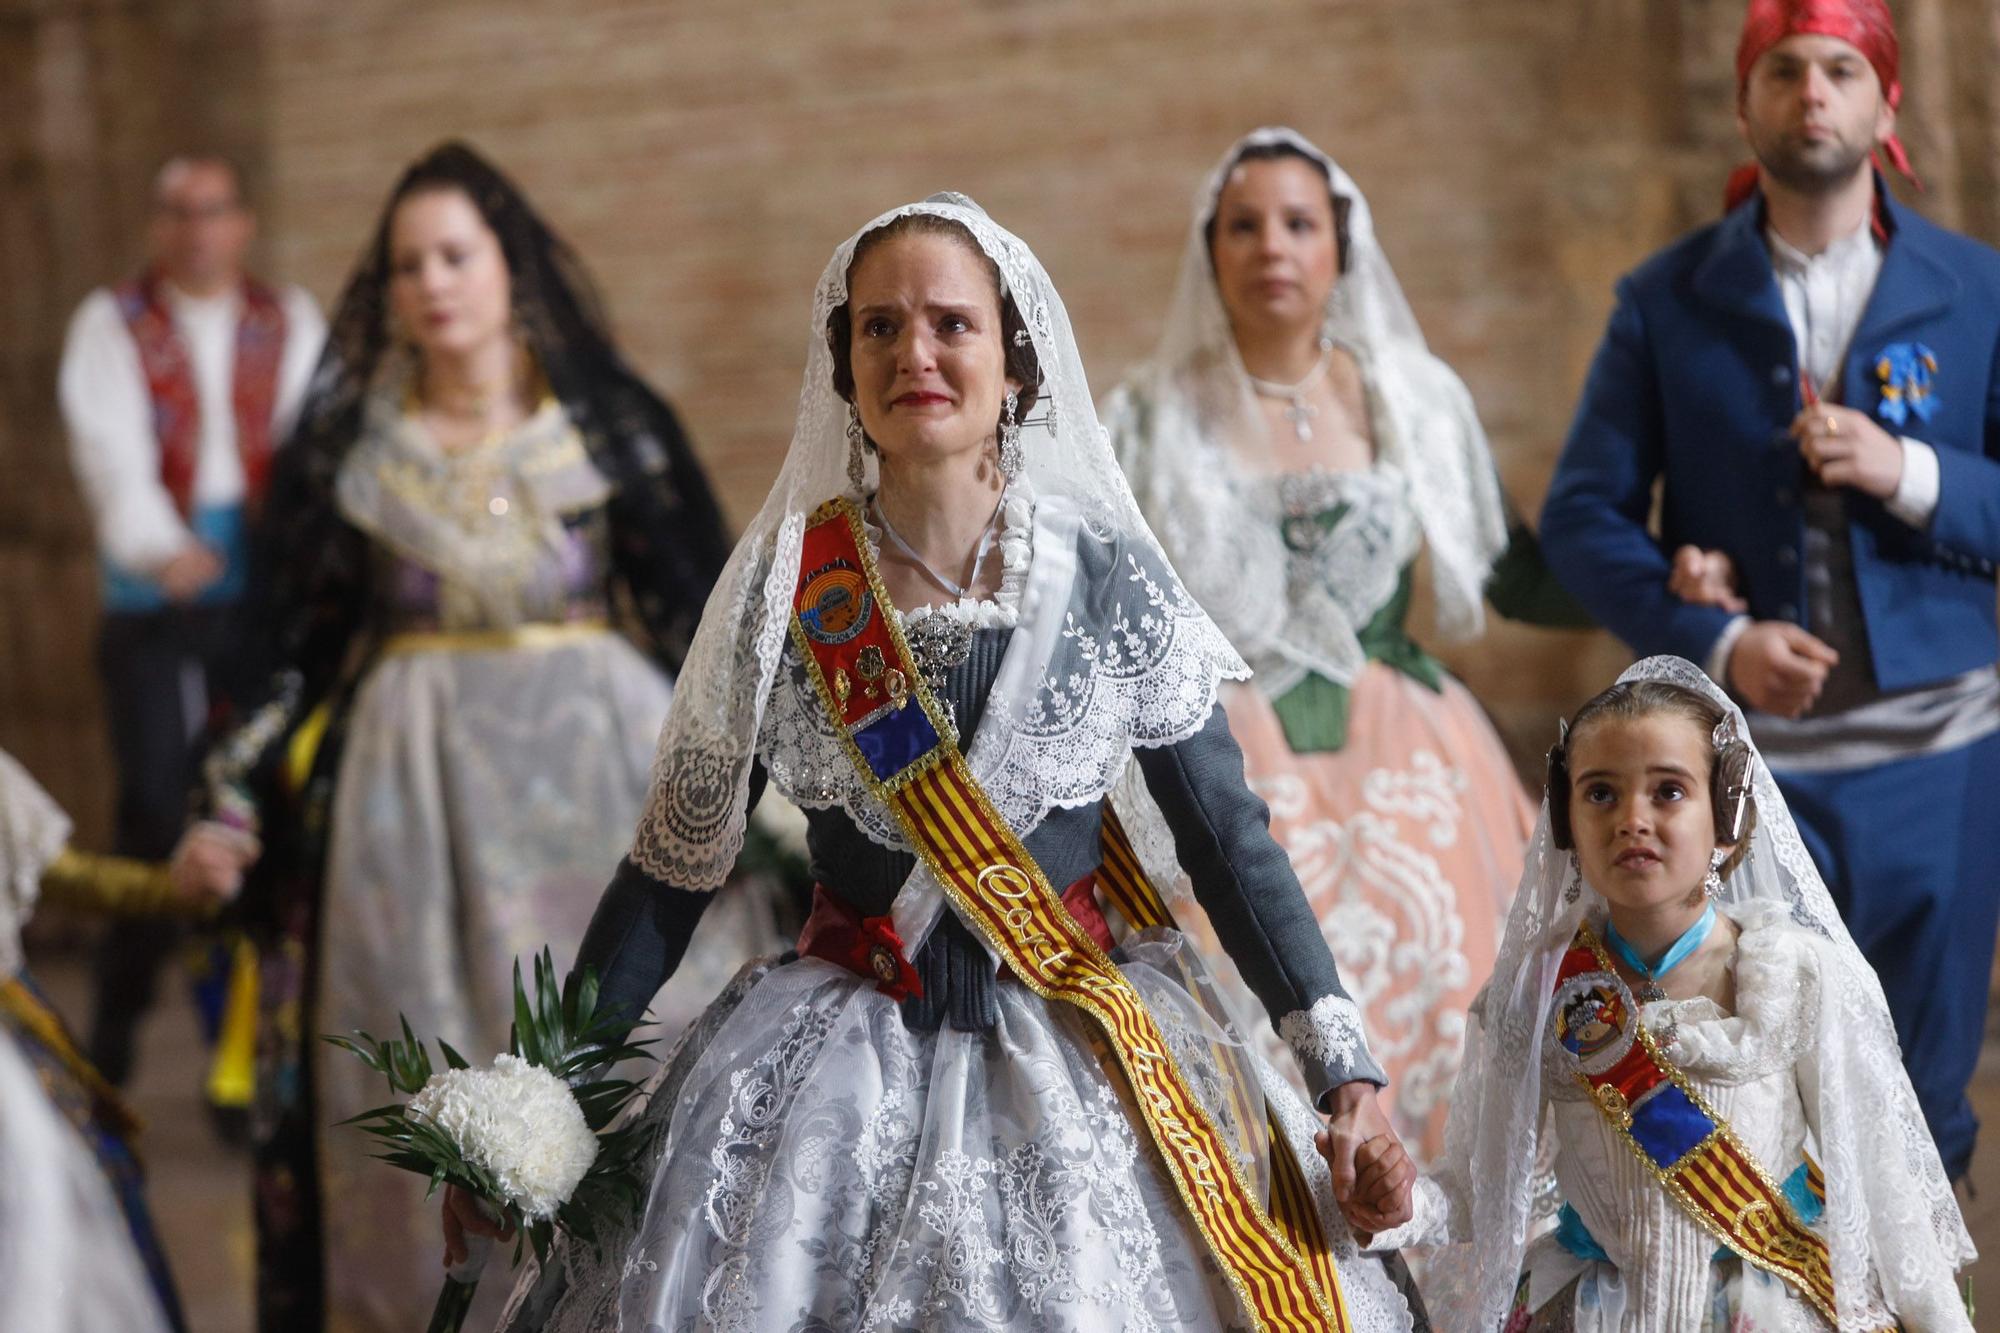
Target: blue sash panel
<point>894,741</point>
<point>1669,1126</point>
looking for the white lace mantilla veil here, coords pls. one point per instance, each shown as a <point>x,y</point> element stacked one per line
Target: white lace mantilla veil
<point>1889,1208</point>
<point>1223,529</point>
<point>33,831</point>
<point>1076,691</point>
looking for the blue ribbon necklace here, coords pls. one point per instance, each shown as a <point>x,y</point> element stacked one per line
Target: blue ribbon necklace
<point>1676,954</point>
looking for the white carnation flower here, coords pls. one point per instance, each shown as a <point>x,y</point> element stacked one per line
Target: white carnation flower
<point>518,1122</point>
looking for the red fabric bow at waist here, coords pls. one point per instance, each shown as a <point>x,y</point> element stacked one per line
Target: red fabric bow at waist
<point>870,947</point>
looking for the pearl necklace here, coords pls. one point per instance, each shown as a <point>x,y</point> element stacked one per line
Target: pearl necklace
<point>1297,410</point>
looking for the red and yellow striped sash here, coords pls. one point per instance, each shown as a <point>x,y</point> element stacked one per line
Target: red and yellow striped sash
<point>1126,886</point>
<point>896,734</point>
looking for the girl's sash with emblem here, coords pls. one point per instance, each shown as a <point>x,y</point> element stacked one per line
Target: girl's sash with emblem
<point>1688,1148</point>
<point>896,734</point>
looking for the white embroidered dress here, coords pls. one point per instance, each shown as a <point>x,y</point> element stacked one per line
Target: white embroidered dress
<point>67,1262</point>
<point>1750,1066</point>
<point>496,756</point>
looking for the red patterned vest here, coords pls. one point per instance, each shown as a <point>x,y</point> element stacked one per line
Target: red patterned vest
<point>260,346</point>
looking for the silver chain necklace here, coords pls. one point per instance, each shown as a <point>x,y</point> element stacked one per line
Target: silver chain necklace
<point>959,590</point>
<point>1297,410</point>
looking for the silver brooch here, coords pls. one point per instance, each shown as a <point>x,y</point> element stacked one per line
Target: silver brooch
<point>939,643</point>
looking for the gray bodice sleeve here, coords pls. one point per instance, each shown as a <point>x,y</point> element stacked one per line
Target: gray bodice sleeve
<point>1240,874</point>
<point>1244,881</point>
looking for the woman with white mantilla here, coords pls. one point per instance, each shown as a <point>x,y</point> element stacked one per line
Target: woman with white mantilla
<point>1295,445</point>
<point>895,1130</point>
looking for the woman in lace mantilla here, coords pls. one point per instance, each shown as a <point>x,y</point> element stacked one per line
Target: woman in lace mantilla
<point>456,742</point>
<point>1739,967</point>
<point>830,1155</point>
<point>1295,445</point>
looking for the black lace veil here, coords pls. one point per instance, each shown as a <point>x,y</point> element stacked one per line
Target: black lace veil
<point>668,542</point>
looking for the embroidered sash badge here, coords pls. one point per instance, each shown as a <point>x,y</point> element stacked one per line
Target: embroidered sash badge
<point>834,603</point>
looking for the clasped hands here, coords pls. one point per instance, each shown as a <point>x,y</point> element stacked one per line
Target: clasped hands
<point>1373,1176</point>
<point>1777,666</point>
<point>188,572</point>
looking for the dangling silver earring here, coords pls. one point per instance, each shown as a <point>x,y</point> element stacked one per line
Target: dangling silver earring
<point>857,469</point>
<point>1010,437</point>
<point>1574,890</point>
<point>1712,884</point>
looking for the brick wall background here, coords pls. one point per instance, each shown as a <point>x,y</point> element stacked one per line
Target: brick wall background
<point>706,156</point>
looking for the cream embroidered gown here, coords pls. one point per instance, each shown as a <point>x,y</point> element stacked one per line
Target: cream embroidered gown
<point>493,760</point>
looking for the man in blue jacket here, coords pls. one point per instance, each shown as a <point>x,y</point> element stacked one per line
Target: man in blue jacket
<point>1813,380</point>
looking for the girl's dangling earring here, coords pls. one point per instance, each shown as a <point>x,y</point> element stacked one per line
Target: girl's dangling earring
<point>857,439</point>
<point>1712,883</point>
<point>1010,437</point>
<point>1575,888</point>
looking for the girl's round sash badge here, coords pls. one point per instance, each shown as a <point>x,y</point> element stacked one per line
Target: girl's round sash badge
<point>1591,1026</point>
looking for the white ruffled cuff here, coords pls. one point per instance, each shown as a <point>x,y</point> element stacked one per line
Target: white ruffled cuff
<point>1429,1224</point>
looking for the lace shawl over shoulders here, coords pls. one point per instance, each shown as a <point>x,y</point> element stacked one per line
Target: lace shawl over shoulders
<point>1132,663</point>
<point>1075,686</point>
<point>489,522</point>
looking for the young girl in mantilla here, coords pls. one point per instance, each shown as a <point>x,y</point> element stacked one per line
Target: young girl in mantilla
<point>1684,1059</point>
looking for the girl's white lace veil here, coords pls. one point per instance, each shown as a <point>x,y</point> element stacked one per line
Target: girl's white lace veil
<point>1178,419</point>
<point>1889,1209</point>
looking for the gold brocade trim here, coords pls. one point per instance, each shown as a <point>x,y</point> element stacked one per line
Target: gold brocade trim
<point>119,885</point>
<point>1001,891</point>
<point>1131,891</point>
<point>541,634</point>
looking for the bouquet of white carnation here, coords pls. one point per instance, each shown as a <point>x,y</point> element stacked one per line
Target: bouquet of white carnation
<point>531,1135</point>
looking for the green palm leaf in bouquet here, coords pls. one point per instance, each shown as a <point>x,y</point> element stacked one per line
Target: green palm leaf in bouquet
<point>532,1135</point>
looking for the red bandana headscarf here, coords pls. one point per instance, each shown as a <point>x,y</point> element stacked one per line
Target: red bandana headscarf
<point>1864,25</point>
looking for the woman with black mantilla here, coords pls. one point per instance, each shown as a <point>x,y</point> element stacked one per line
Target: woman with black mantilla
<point>456,741</point>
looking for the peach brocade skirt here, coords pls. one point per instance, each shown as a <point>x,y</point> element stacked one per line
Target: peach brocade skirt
<point>1409,843</point>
